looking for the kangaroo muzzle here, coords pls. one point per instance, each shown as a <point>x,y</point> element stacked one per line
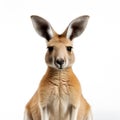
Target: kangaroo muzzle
<point>59,63</point>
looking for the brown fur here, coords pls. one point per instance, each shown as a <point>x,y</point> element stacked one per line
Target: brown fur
<point>59,95</point>
<point>58,86</point>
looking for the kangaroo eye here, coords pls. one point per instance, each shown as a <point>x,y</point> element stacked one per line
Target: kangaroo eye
<point>69,48</point>
<point>50,48</point>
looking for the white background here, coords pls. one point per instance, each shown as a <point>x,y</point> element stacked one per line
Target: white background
<point>97,53</point>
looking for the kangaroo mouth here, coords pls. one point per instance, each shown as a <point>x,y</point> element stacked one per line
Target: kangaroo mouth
<point>59,66</point>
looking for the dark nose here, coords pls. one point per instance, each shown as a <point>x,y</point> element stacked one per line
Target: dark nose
<point>60,62</point>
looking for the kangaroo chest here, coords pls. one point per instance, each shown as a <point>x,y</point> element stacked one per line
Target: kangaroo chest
<point>59,91</point>
<point>59,100</point>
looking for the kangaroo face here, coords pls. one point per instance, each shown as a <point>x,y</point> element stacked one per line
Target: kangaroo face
<point>59,54</point>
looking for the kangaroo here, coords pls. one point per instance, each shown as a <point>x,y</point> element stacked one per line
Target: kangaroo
<point>59,95</point>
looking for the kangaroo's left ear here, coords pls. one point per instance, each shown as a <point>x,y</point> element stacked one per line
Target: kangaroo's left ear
<point>76,27</point>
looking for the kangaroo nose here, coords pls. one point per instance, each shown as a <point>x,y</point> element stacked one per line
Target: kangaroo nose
<point>60,62</point>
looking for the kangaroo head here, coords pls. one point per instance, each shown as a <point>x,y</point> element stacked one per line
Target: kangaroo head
<point>59,54</point>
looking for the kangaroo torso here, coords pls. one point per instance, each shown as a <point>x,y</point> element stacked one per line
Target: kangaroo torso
<point>59,90</point>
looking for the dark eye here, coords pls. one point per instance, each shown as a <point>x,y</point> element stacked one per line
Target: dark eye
<point>69,48</point>
<point>50,48</point>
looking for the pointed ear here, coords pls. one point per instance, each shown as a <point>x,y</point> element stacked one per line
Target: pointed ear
<point>76,27</point>
<point>42,27</point>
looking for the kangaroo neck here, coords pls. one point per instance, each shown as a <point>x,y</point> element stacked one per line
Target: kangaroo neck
<point>65,75</point>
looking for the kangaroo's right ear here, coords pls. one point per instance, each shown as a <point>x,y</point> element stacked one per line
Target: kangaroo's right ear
<point>42,27</point>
